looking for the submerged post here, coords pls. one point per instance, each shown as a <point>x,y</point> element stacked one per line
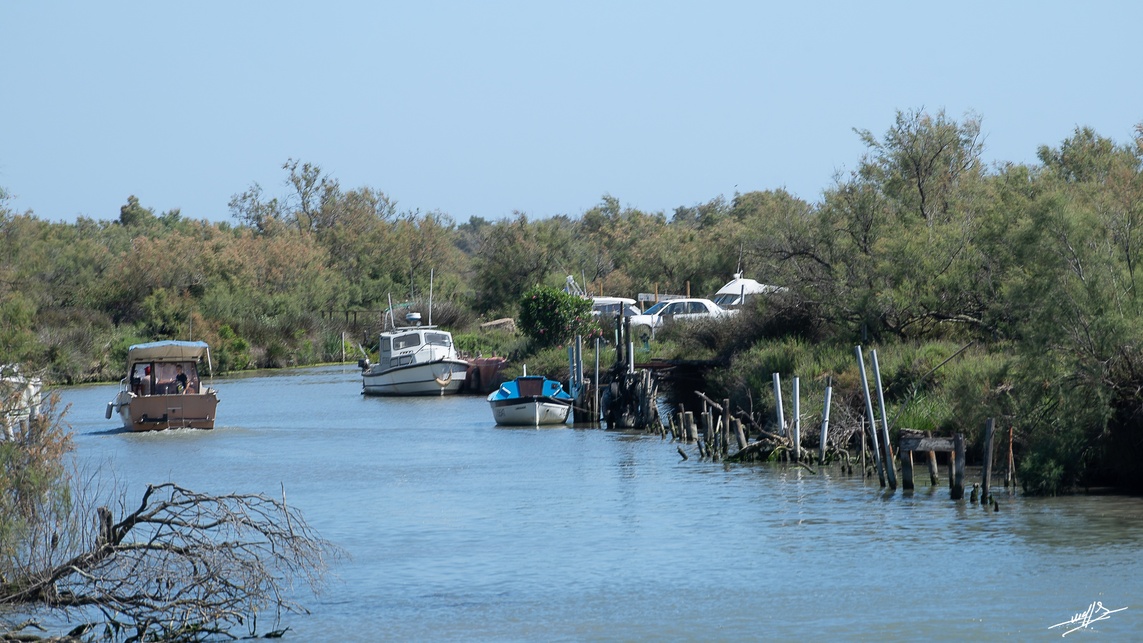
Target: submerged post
<point>872,419</point>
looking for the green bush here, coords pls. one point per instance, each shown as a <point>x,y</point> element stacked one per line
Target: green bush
<point>552,317</point>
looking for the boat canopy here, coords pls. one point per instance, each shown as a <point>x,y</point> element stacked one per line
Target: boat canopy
<point>739,288</point>
<point>167,351</point>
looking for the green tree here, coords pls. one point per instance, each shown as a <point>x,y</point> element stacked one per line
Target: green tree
<point>552,317</point>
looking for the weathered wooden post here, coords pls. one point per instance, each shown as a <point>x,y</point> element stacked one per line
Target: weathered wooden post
<point>934,479</point>
<point>825,425</point>
<point>958,469</point>
<point>692,429</point>
<point>890,470</point>
<point>740,434</point>
<point>906,470</point>
<point>725,422</point>
<point>1010,476</point>
<point>986,475</point>
<point>872,420</point>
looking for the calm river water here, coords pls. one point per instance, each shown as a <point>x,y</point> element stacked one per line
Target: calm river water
<point>457,529</point>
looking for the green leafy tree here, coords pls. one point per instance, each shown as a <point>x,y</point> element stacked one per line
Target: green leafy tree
<point>552,317</point>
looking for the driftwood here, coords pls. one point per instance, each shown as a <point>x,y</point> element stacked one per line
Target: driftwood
<point>180,566</point>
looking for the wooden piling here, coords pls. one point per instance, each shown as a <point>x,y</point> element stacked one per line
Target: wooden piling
<point>906,470</point>
<point>934,479</point>
<point>1010,476</point>
<point>739,434</point>
<point>958,467</point>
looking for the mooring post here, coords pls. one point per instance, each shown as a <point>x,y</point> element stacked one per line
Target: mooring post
<point>934,479</point>
<point>906,470</point>
<point>861,436</point>
<point>890,470</point>
<point>957,480</point>
<point>872,419</point>
<point>1010,476</point>
<point>778,404</point>
<point>595,410</point>
<point>825,425</point>
<point>797,433</point>
<point>986,475</point>
<point>725,422</point>
<point>739,433</point>
<point>689,423</point>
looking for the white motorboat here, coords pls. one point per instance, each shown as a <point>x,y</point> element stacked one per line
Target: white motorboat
<point>21,399</point>
<point>414,360</point>
<point>162,389</point>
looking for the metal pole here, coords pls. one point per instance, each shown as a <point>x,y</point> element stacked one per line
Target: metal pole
<point>872,420</point>
<point>778,404</point>
<point>890,470</point>
<point>825,424</point>
<point>797,420</point>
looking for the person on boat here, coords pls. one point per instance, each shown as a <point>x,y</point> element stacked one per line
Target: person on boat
<point>137,380</point>
<point>180,379</point>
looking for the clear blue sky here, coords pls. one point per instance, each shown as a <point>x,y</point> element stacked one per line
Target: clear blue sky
<point>485,108</point>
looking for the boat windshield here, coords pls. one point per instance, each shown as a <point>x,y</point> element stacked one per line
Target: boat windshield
<point>438,339</point>
<point>726,300</point>
<point>408,340</point>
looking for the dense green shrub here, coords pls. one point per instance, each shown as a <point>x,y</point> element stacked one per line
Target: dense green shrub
<point>552,317</point>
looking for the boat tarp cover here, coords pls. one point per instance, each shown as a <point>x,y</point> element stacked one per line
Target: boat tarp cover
<point>169,351</point>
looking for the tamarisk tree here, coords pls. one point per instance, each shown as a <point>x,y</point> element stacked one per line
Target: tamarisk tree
<point>180,565</point>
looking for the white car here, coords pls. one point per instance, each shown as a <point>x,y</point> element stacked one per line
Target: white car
<point>609,307</point>
<point>643,326</point>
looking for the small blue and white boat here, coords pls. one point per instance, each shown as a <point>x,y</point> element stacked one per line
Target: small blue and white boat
<point>530,400</point>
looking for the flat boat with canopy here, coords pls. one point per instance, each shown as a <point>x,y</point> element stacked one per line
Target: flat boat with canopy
<point>163,390</point>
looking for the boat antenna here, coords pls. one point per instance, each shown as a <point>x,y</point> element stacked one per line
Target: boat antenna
<point>431,296</point>
<point>389,314</point>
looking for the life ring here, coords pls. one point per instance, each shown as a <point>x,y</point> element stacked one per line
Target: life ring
<point>446,381</point>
